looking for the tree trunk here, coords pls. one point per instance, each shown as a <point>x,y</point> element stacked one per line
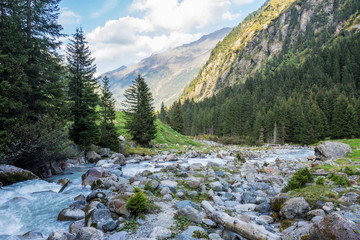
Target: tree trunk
<point>244,229</point>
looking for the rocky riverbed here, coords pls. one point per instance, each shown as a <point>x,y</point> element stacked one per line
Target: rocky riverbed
<point>226,193</point>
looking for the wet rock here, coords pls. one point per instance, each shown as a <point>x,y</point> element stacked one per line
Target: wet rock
<point>32,235</point>
<point>332,150</point>
<point>76,226</point>
<point>104,152</point>
<point>277,202</point>
<point>92,175</point>
<point>92,156</point>
<point>97,194</point>
<point>64,182</point>
<point>60,235</point>
<point>119,236</point>
<point>11,174</point>
<point>193,214</point>
<point>160,233</point>
<point>90,233</point>
<point>334,226</point>
<point>71,214</point>
<point>98,218</point>
<point>55,168</point>
<point>295,208</point>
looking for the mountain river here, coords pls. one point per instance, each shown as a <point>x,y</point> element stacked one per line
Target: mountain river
<point>34,205</point>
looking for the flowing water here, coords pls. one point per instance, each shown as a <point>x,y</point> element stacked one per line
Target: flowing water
<point>34,205</point>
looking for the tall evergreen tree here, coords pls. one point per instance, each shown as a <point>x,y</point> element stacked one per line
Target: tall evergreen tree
<point>31,82</point>
<point>140,112</point>
<point>162,114</point>
<point>177,121</point>
<point>82,85</point>
<point>109,137</point>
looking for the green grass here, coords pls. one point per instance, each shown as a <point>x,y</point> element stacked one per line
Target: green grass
<point>164,135</point>
<point>315,193</point>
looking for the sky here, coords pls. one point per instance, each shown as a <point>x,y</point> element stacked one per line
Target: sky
<point>122,32</point>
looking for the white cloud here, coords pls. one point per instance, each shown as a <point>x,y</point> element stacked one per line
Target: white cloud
<point>158,25</point>
<point>242,2</point>
<point>68,17</point>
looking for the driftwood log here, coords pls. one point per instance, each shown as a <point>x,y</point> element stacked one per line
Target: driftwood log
<point>247,230</point>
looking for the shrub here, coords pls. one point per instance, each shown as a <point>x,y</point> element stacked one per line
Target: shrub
<point>320,181</point>
<point>240,157</point>
<point>200,234</point>
<point>350,172</point>
<point>137,203</point>
<point>299,180</point>
<point>339,180</point>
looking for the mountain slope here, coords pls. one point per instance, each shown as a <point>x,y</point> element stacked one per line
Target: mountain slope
<point>279,26</point>
<point>169,72</point>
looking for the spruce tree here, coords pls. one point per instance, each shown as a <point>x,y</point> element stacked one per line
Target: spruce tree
<point>82,85</point>
<point>162,114</point>
<point>177,121</point>
<point>109,137</point>
<point>140,112</point>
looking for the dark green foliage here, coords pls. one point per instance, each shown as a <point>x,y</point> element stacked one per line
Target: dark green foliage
<point>31,82</point>
<point>299,179</point>
<point>137,203</point>
<point>351,172</point>
<point>109,137</point>
<point>182,222</point>
<point>287,100</point>
<point>339,180</point>
<point>130,226</point>
<point>36,144</point>
<point>82,85</point>
<point>200,235</point>
<point>162,114</point>
<point>320,181</point>
<point>140,112</point>
<point>177,121</point>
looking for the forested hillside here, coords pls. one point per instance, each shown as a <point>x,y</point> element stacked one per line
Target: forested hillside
<point>309,91</point>
<point>272,31</point>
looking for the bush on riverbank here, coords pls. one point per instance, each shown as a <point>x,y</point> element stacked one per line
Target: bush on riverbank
<point>137,203</point>
<point>299,180</point>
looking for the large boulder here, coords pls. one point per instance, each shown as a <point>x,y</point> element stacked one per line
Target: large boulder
<point>295,208</point>
<point>99,218</point>
<point>10,174</point>
<point>92,156</point>
<point>92,175</point>
<point>89,233</point>
<point>71,214</point>
<point>334,226</point>
<point>104,152</point>
<point>193,214</point>
<point>332,150</point>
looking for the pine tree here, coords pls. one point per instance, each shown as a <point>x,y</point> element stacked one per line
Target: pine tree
<point>82,85</point>
<point>162,114</point>
<point>109,137</point>
<point>140,112</point>
<point>177,121</point>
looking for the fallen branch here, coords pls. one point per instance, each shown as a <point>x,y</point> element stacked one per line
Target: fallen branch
<point>247,230</point>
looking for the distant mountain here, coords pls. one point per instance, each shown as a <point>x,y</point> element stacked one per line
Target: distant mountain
<point>167,73</point>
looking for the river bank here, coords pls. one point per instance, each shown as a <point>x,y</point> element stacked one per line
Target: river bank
<point>239,182</point>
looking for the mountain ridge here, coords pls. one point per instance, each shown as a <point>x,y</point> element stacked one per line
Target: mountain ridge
<point>167,73</point>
